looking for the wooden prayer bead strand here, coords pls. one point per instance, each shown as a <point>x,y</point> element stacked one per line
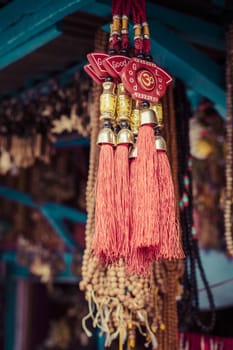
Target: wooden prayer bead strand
<point>229,144</point>
<point>121,282</point>
<point>87,268</point>
<point>113,285</point>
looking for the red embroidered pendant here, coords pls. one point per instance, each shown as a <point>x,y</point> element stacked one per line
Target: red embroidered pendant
<point>96,61</point>
<point>92,73</point>
<point>145,80</point>
<point>115,64</point>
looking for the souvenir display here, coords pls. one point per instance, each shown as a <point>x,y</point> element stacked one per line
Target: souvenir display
<point>123,291</point>
<point>31,123</point>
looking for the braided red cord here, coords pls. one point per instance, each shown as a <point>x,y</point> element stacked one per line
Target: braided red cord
<point>125,35</point>
<point>115,39</point>
<point>137,12</point>
<point>141,9</point>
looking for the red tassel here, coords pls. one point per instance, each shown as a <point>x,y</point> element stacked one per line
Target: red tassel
<point>104,239</point>
<point>170,245</point>
<point>122,199</point>
<point>145,222</point>
<point>137,262</point>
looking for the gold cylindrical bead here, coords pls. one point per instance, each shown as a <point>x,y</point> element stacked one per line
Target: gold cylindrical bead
<point>116,23</point>
<point>124,103</point>
<point>158,109</point>
<point>137,30</point>
<point>135,118</point>
<point>124,23</point>
<point>146,30</point>
<point>108,101</point>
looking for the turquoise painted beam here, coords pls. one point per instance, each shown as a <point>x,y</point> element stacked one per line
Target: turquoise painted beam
<point>16,196</point>
<point>72,142</point>
<point>16,10</point>
<point>101,8</point>
<point>32,20</point>
<point>61,230</point>
<point>54,213</point>
<point>187,63</point>
<point>59,211</point>
<point>189,27</point>
<point>29,46</point>
<point>19,271</point>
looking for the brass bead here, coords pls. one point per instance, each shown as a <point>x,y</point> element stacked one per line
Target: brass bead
<point>135,118</point>
<point>108,101</point>
<point>125,136</point>
<point>148,116</point>
<point>158,109</point>
<point>124,103</point>
<point>160,143</point>
<point>106,135</point>
<point>133,152</point>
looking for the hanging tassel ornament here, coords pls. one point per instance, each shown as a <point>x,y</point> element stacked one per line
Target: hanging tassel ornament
<point>170,244</point>
<point>145,225</point>
<point>124,140</point>
<point>105,237</point>
<point>138,260</point>
<point>154,231</point>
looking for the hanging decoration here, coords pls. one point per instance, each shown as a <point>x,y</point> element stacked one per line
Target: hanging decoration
<point>31,123</point>
<point>189,303</point>
<point>130,220</point>
<point>125,297</point>
<point>228,217</point>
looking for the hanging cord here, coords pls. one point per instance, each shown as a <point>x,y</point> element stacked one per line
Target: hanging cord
<point>137,25</point>
<point>189,305</point>
<point>140,16</point>
<point>125,27</point>
<point>115,35</point>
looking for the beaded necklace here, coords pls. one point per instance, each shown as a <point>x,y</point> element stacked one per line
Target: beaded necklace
<point>189,305</point>
<point>229,143</point>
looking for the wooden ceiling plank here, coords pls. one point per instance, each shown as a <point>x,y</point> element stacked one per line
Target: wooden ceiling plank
<point>16,10</point>
<point>31,45</point>
<point>36,21</point>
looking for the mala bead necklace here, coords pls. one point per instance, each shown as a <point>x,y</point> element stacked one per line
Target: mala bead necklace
<point>89,262</point>
<point>189,304</point>
<point>229,146</point>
